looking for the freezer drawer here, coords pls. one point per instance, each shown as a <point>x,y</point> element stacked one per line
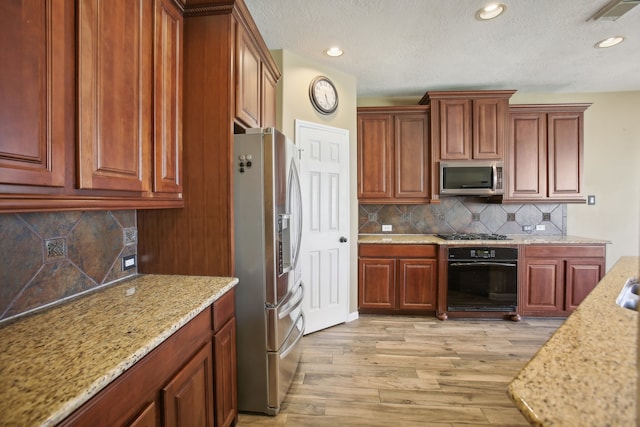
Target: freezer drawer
<point>282,318</point>
<point>282,366</point>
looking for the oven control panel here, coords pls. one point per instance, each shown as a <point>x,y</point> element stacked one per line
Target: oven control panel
<point>480,253</point>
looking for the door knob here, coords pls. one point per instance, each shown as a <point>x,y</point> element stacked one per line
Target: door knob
<point>343,239</point>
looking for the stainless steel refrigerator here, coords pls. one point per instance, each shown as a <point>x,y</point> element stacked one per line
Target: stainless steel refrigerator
<point>268,229</point>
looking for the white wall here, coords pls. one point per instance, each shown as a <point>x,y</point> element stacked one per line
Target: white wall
<point>294,103</point>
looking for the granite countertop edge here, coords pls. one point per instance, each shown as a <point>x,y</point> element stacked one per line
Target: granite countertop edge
<point>131,327</point>
<point>589,364</point>
<point>514,239</point>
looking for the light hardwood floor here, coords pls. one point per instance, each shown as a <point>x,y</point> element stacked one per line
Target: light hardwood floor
<point>409,371</point>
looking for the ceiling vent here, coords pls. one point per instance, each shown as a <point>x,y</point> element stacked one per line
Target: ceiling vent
<point>614,10</point>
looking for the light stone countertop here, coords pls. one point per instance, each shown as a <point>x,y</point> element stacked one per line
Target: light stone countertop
<point>586,374</point>
<point>54,361</point>
<point>515,239</point>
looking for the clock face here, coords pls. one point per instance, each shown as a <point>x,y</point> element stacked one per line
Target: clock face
<point>323,94</point>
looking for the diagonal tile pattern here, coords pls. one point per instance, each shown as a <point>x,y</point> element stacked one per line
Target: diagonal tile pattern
<point>57,255</point>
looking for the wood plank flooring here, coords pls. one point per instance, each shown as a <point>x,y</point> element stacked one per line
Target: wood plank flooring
<point>409,371</point>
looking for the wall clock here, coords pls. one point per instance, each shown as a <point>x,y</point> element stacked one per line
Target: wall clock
<point>323,95</point>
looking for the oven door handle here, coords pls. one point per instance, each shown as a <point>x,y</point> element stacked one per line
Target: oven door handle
<point>482,264</point>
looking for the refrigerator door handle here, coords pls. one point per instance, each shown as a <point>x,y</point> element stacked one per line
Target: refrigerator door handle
<point>295,207</point>
<point>293,345</point>
<point>290,306</point>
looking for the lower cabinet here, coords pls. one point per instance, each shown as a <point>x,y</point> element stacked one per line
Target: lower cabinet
<point>397,278</point>
<point>189,380</point>
<point>558,278</point>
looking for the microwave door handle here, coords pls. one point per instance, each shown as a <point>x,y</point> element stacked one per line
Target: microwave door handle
<point>494,177</point>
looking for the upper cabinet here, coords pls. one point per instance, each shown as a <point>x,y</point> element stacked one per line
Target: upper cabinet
<point>101,127</point>
<point>37,56</point>
<point>468,125</point>
<point>545,153</point>
<point>393,154</point>
<point>115,52</point>
<point>255,83</point>
<point>229,85</point>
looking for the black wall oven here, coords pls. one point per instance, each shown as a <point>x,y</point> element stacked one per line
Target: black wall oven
<point>482,279</point>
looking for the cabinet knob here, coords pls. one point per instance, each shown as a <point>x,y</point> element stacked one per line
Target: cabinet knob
<point>343,239</point>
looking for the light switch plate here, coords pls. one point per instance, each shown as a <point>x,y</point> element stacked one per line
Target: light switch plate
<point>591,200</point>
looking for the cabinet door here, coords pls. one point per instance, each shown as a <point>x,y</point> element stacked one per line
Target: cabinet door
<point>489,125</point>
<point>167,141</point>
<point>36,94</point>
<point>248,76</point>
<point>527,156</point>
<point>147,418</point>
<point>188,398</point>
<point>455,129</point>
<point>565,146</point>
<point>375,156</point>
<point>582,276</point>
<point>225,374</point>
<point>411,156</point>
<point>417,282</point>
<point>544,286</point>
<point>376,283</point>
<point>114,93</point>
<point>268,99</point>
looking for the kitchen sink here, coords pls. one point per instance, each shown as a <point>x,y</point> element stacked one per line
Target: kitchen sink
<point>628,297</point>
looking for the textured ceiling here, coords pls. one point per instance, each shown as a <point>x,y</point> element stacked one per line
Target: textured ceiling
<point>406,47</point>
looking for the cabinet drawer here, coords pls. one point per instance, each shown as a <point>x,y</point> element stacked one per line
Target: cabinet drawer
<point>398,250</point>
<point>223,309</point>
<point>574,251</point>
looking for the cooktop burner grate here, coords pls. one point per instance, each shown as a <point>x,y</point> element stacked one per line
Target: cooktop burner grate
<point>472,236</point>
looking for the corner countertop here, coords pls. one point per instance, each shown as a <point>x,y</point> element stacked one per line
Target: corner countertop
<point>514,239</point>
<point>586,374</point>
<point>54,361</point>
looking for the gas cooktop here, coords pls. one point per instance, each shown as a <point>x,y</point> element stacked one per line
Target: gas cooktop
<point>472,236</point>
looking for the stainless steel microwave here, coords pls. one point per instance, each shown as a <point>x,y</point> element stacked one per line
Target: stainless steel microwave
<point>471,178</point>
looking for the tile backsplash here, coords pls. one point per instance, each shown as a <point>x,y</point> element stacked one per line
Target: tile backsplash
<point>50,257</point>
<point>464,215</point>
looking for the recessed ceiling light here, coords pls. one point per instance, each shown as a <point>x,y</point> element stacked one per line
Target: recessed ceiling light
<point>334,51</point>
<point>490,11</point>
<point>611,41</point>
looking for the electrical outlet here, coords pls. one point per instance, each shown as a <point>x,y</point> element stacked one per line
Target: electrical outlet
<point>129,262</point>
<point>527,228</point>
<point>387,227</point>
<point>541,227</point>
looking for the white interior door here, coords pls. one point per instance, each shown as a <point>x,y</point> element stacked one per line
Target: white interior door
<point>324,254</point>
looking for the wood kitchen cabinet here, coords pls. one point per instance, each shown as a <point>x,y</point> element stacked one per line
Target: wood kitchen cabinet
<point>545,153</point>
<point>101,125</point>
<point>556,279</point>
<point>202,243</point>
<point>397,278</point>
<point>225,366</point>
<point>179,382</point>
<point>115,51</point>
<point>255,83</point>
<point>37,68</point>
<point>393,154</point>
<point>466,125</point>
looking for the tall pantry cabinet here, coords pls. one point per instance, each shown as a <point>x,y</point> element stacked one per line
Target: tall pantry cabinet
<point>229,86</point>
